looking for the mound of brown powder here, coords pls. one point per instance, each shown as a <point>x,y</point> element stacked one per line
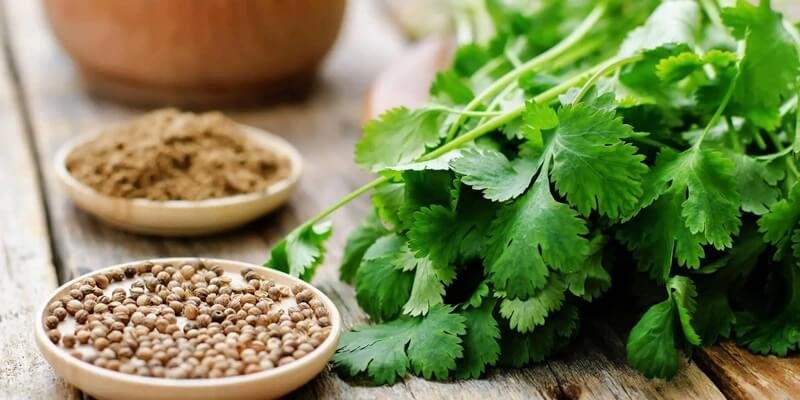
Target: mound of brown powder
<point>170,155</point>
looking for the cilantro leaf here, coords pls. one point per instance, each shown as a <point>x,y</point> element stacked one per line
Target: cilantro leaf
<point>449,88</point>
<point>780,223</point>
<point>382,288</point>
<point>481,342</point>
<point>388,200</point>
<point>658,234</point>
<point>592,167</point>
<point>684,294</point>
<point>530,234</point>
<point>651,343</point>
<point>777,333</point>
<point>770,66</point>
<point>463,228</point>
<point>428,346</point>
<point>398,136</point>
<point>370,230</point>
<point>490,172</point>
<point>424,189</point>
<point>519,349</point>
<point>756,181</point>
<point>525,315</point>
<point>592,279</point>
<point>672,22</point>
<point>712,202</point>
<point>427,290</point>
<point>302,251</point>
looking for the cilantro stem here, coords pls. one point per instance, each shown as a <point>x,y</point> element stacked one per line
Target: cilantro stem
<point>496,122</point>
<point>344,200</point>
<point>649,141</point>
<point>778,145</point>
<point>608,67</point>
<point>567,58</point>
<point>551,54</point>
<point>734,135</point>
<point>712,10</point>
<point>770,157</point>
<point>467,113</point>
<point>722,106</point>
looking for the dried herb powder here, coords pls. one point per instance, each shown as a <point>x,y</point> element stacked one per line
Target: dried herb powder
<point>173,155</point>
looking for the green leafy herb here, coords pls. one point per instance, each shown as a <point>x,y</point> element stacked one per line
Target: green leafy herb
<point>565,140</point>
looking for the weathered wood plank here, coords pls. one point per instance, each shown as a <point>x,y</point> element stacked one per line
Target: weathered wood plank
<point>27,274</point>
<point>744,375</point>
<point>324,127</point>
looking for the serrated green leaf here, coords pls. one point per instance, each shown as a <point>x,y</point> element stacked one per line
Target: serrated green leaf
<point>684,294</point>
<point>381,287</point>
<point>657,235</point>
<point>592,167</point>
<point>711,206</point>
<point>449,88</point>
<point>490,171</point>
<point>525,315</point>
<point>427,290</point>
<point>770,65</point>
<point>428,346</point>
<point>782,219</point>
<point>370,230</point>
<point>530,234</point>
<point>481,342</point>
<point>398,136</point>
<point>651,343</point>
<point>672,22</point>
<point>519,349</point>
<point>302,251</point>
<point>592,280</point>
<point>757,182</point>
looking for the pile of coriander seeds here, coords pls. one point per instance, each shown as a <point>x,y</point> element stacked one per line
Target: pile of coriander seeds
<point>189,320</point>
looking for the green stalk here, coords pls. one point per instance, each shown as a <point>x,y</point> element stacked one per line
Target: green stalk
<point>537,62</point>
<point>567,58</point>
<point>344,200</point>
<point>712,10</point>
<point>608,67</point>
<point>779,145</point>
<point>494,123</point>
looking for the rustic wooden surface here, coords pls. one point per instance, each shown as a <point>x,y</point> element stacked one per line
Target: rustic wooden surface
<point>42,104</point>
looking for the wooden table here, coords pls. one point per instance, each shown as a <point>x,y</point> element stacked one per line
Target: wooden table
<point>45,240</point>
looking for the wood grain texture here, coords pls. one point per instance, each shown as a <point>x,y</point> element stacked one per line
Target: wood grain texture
<point>324,128</point>
<point>27,274</point>
<point>740,374</point>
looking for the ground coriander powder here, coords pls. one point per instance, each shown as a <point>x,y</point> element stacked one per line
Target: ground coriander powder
<point>173,155</point>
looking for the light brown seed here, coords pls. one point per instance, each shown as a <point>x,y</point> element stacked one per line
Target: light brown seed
<point>100,343</point>
<point>54,335</point>
<point>102,281</point>
<point>51,322</point>
<point>73,306</point>
<point>83,336</point>
<point>68,341</point>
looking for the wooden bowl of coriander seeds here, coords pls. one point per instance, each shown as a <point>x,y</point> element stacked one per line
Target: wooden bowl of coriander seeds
<point>187,328</point>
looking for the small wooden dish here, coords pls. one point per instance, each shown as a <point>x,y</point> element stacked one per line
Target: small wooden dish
<point>106,384</point>
<point>182,217</point>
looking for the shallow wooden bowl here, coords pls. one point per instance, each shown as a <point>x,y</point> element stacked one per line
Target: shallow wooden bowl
<point>182,217</point>
<point>107,384</point>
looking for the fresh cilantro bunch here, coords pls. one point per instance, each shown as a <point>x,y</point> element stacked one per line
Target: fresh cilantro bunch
<point>560,158</point>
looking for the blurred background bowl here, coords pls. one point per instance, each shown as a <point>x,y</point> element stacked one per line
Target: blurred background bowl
<point>196,53</point>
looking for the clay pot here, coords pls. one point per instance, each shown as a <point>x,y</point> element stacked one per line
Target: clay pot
<point>190,52</point>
